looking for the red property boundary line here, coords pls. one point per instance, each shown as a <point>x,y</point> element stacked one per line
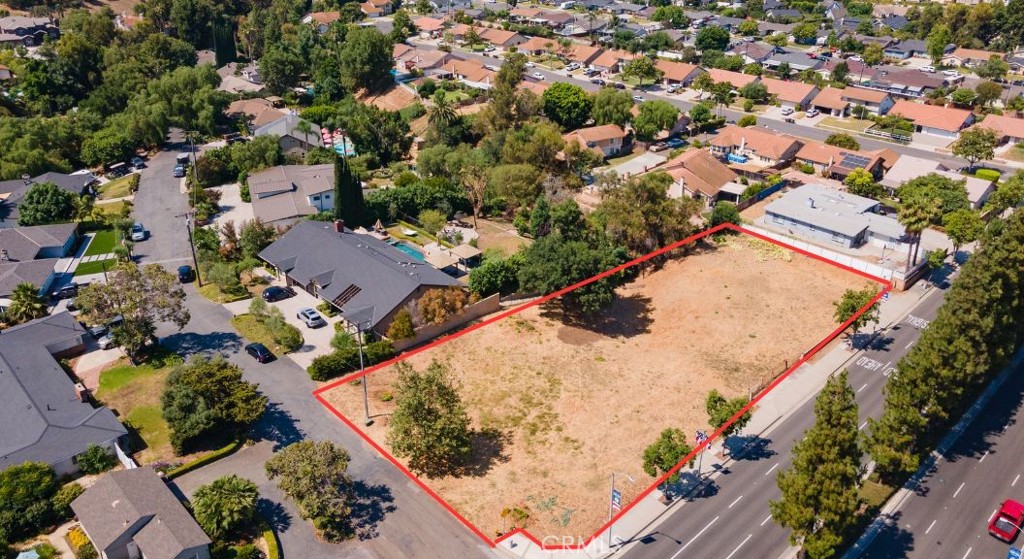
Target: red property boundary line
<point>886,287</point>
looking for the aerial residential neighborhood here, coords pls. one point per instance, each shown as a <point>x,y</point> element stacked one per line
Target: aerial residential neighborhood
<point>490,279</point>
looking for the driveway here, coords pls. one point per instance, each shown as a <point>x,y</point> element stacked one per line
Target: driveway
<point>232,207</point>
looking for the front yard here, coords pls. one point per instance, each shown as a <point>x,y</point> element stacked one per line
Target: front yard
<point>118,188</point>
<point>852,125</point>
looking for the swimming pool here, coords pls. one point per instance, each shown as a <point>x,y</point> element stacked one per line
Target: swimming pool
<point>408,249</point>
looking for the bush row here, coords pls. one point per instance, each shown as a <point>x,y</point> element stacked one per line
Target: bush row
<point>346,360</point>
<point>222,452</point>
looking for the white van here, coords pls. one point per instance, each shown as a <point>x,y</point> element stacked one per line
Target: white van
<point>929,69</point>
<point>567,5</point>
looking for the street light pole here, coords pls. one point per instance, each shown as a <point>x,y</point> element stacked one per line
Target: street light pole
<point>192,245</point>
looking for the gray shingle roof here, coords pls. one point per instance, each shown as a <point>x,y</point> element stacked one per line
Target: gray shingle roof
<point>281,192</point>
<point>834,210</point>
<point>42,418</point>
<point>24,243</point>
<point>12,191</point>
<point>342,262</point>
<point>123,500</point>
<point>35,272</point>
<point>286,127</point>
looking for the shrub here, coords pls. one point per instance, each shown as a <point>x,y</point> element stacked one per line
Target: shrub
<point>987,174</point>
<point>326,309</point>
<point>807,168</point>
<point>247,551</point>
<point>427,88</point>
<point>244,192</point>
<point>747,120</point>
<point>342,339</point>
<point>378,352</point>
<point>401,327</point>
<point>46,551</point>
<point>336,363</point>
<point>748,106</point>
<point>62,500</point>
<point>270,538</point>
<point>80,544</point>
<point>287,336</point>
<point>438,305</point>
<point>95,460</point>
<point>227,450</point>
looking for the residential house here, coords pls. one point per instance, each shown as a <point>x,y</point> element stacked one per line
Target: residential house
<point>798,60</point>
<point>584,55</point>
<point>1016,62</point>
<point>238,78</point>
<point>765,28</point>
<point>366,279</point>
<point>422,59</point>
<point>970,57</point>
<point>20,244</point>
<point>736,79</point>
<point>608,139</point>
<point>45,415</point>
<point>934,120</point>
<point>837,163</point>
<point>429,26</point>
<point>131,514</point>
<point>728,23</point>
<point>903,50</point>
<point>908,84</point>
<point>752,150</point>
<point>611,61</point>
<point>858,72</point>
<point>321,20</point>
<point>678,73</point>
<point>698,174</point>
<point>795,95</point>
<point>894,22</point>
<point>753,53</point>
<point>834,217</point>
<point>881,41</point>
<point>783,14</point>
<point>1008,129</point>
<point>12,192</point>
<point>28,31</point>
<point>292,138</point>
<point>470,72</point>
<point>625,8</point>
<point>377,8</point>
<point>256,112</point>
<point>536,46</point>
<point>501,39</point>
<point>909,167</point>
<point>838,102</point>
<point>284,194</point>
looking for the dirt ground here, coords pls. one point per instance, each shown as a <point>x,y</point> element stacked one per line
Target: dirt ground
<point>574,403</point>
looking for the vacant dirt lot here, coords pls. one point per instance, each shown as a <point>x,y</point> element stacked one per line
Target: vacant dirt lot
<point>574,402</point>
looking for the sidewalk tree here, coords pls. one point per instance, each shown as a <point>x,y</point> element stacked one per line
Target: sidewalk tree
<point>314,474</point>
<point>721,410</point>
<point>820,489</point>
<point>654,117</point>
<point>430,425</point>
<point>225,505</point>
<point>612,106</point>
<point>976,144</point>
<point>851,302</point>
<point>755,91</point>
<point>987,92</point>
<point>642,68</point>
<point>663,455</point>
<point>567,104</point>
<point>843,140</point>
<point>962,227</point>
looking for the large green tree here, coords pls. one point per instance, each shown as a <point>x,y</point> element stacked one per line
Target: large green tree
<point>25,493</point>
<point>349,204</point>
<point>976,144</point>
<point>654,117</point>
<point>851,302</point>
<point>639,214</point>
<point>46,203</point>
<point>315,475</point>
<point>712,37</point>
<point>936,42</point>
<point>963,226</point>
<point>366,60</point>
<point>721,409</point>
<point>820,489</point>
<point>561,259</point>
<point>612,106</point>
<point>567,104</point>
<point>843,140</point>
<point>642,68</point>
<point>951,193</point>
<point>663,455</point>
<point>862,183</point>
<point>429,425</point>
<point>225,505</point>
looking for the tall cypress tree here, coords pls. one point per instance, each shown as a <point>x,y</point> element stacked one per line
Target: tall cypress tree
<point>819,489</point>
<point>348,195</point>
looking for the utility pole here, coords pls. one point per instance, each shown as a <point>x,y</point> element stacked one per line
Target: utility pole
<point>366,399</point>
<point>192,245</point>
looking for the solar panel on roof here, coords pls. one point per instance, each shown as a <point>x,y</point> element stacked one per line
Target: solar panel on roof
<point>853,161</point>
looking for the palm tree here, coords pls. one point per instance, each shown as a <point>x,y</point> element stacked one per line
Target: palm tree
<point>225,504</point>
<point>915,214</point>
<point>84,208</point>
<point>26,304</point>
<point>306,128</point>
<point>443,112</point>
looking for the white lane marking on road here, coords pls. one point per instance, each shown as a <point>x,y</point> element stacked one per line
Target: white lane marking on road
<point>908,345</point>
<point>958,489</point>
<point>739,546</point>
<point>930,527</point>
<point>699,534</point>
<point>968,553</point>
<point>1015,481</point>
<point>983,457</point>
<point>862,425</point>
<point>772,469</point>
<point>862,388</point>
<point>765,521</point>
<point>734,502</point>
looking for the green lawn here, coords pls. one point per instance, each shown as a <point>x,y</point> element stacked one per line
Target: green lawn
<point>113,208</point>
<point>853,125</point>
<point>102,243</point>
<point>116,188</point>
<point>253,331</point>
<point>95,267</point>
<point>215,295</point>
<point>148,422</point>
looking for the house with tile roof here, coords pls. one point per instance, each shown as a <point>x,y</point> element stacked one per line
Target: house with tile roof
<point>584,55</point>
<point>46,417</point>
<point>839,102</point>
<point>970,57</point>
<point>1008,129</point>
<point>501,39</point>
<point>256,112</point>
<point>608,139</point>
<point>134,514</point>
<point>934,120</point>
<point>736,79</point>
<point>321,20</point>
<point>697,173</point>
<point>428,25</point>
<point>837,163</point>
<point>611,61</point>
<point>752,149</point>
<point>377,8</point>
<point>795,95</point>
<point>678,73</point>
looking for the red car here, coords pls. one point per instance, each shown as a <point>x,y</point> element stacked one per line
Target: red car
<point>1006,523</point>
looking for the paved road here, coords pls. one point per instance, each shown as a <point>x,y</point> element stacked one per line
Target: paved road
<point>730,519</point>
<point>396,518</point>
<point>793,129</point>
<point>948,515</point>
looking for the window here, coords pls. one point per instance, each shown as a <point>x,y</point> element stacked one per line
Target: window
<point>316,197</point>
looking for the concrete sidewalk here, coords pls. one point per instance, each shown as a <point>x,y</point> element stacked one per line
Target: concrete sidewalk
<point>774,407</point>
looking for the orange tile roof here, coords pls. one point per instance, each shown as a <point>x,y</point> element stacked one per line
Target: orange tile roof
<point>325,17</point>
<point>428,24</point>
<point>737,79</point>
<point>676,71</point>
<point>824,154</point>
<point>863,95</point>
<point>932,116</point>
<point>1004,126</point>
<point>791,92</point>
<point>539,43</point>
<point>599,133</point>
<point>975,54</point>
<point>610,58</point>
<point>699,170</point>
<point>584,54</point>
<point>497,36</point>
<point>762,142</point>
<point>400,50</point>
<point>830,98</point>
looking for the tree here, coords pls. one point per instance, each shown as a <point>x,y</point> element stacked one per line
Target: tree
<point>25,493</point>
<point>872,54</point>
<point>654,117</point>
<point>432,220</point>
<point>854,300</point>
<point>612,106</point>
<point>1009,194</point>
<point>722,94</point>
<point>721,410</point>
<point>843,140</point>
<point>225,505</point>
<point>567,104</point>
<point>495,275</point>
<point>712,37</point>
<point>805,32</point>
<point>382,134</point>
<point>724,212</point>
<point>995,68</point>
<point>436,306</point>
<point>95,460</point>
<point>674,16</point>
<point>349,205</point>
<point>474,179</point>
<point>366,60</point>
<point>142,296</point>
<point>663,455</point>
<point>747,120</point>
<point>976,144</point>
<point>315,475</point>
<point>862,183</point>
<point>641,216</point>
<point>951,193</point>
<point>430,425</point>
<point>963,226</point>
<point>700,114</point>
<point>46,203</point>
<point>748,27</point>
<point>26,304</point>
<point>963,97</point>
<point>642,68</point>
<point>280,68</point>
<point>936,42</point>
<point>442,112</point>
<point>401,327</point>
<point>777,39</point>
<point>558,260</point>
<point>703,82</point>
<point>840,72</point>
<point>755,91</point>
<point>915,214</point>
<point>783,70</point>
<point>254,236</point>
<point>987,91</point>
<point>820,489</point>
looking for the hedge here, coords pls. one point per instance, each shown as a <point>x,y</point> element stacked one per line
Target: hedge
<point>987,174</point>
<point>344,361</point>
<point>227,450</point>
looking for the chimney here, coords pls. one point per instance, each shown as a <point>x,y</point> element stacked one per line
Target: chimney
<point>339,225</point>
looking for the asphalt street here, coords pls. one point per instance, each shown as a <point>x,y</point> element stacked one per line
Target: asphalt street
<point>730,518</point>
<point>395,518</point>
<point>948,514</point>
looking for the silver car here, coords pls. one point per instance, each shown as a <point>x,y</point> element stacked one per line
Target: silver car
<point>310,317</point>
<point>138,232</point>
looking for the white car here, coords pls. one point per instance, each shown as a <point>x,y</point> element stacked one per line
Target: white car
<point>812,112</point>
<point>638,98</point>
<point>928,69</point>
<point>530,64</point>
<point>106,341</point>
<point>310,317</point>
<point>786,111</point>
<point>138,232</point>
<point>950,73</point>
<point>538,76</point>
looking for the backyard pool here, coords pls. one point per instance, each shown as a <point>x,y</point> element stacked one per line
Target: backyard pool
<point>408,249</point>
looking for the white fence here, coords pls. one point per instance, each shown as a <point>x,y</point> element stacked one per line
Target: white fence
<point>127,461</point>
<point>838,258</point>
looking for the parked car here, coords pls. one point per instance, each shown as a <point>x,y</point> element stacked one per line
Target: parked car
<point>1005,525</point>
<point>812,112</point>
<point>311,318</point>
<point>538,76</point>
<point>659,146</point>
<point>259,352</point>
<point>786,111</point>
<point>672,88</point>
<point>597,81</point>
<point>928,69</point>
<point>618,85</point>
<point>139,232</point>
<point>638,98</point>
<point>106,341</point>
<point>790,120</point>
<point>138,162</point>
<point>179,171</point>
<point>183,159</point>
<point>69,291</point>
<point>572,66</point>
<point>530,64</point>
<point>117,170</point>
<point>186,274</point>
<point>950,73</point>
<point>675,143</point>
<point>275,293</point>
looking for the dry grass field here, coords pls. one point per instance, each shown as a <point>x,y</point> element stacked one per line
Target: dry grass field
<point>571,403</point>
